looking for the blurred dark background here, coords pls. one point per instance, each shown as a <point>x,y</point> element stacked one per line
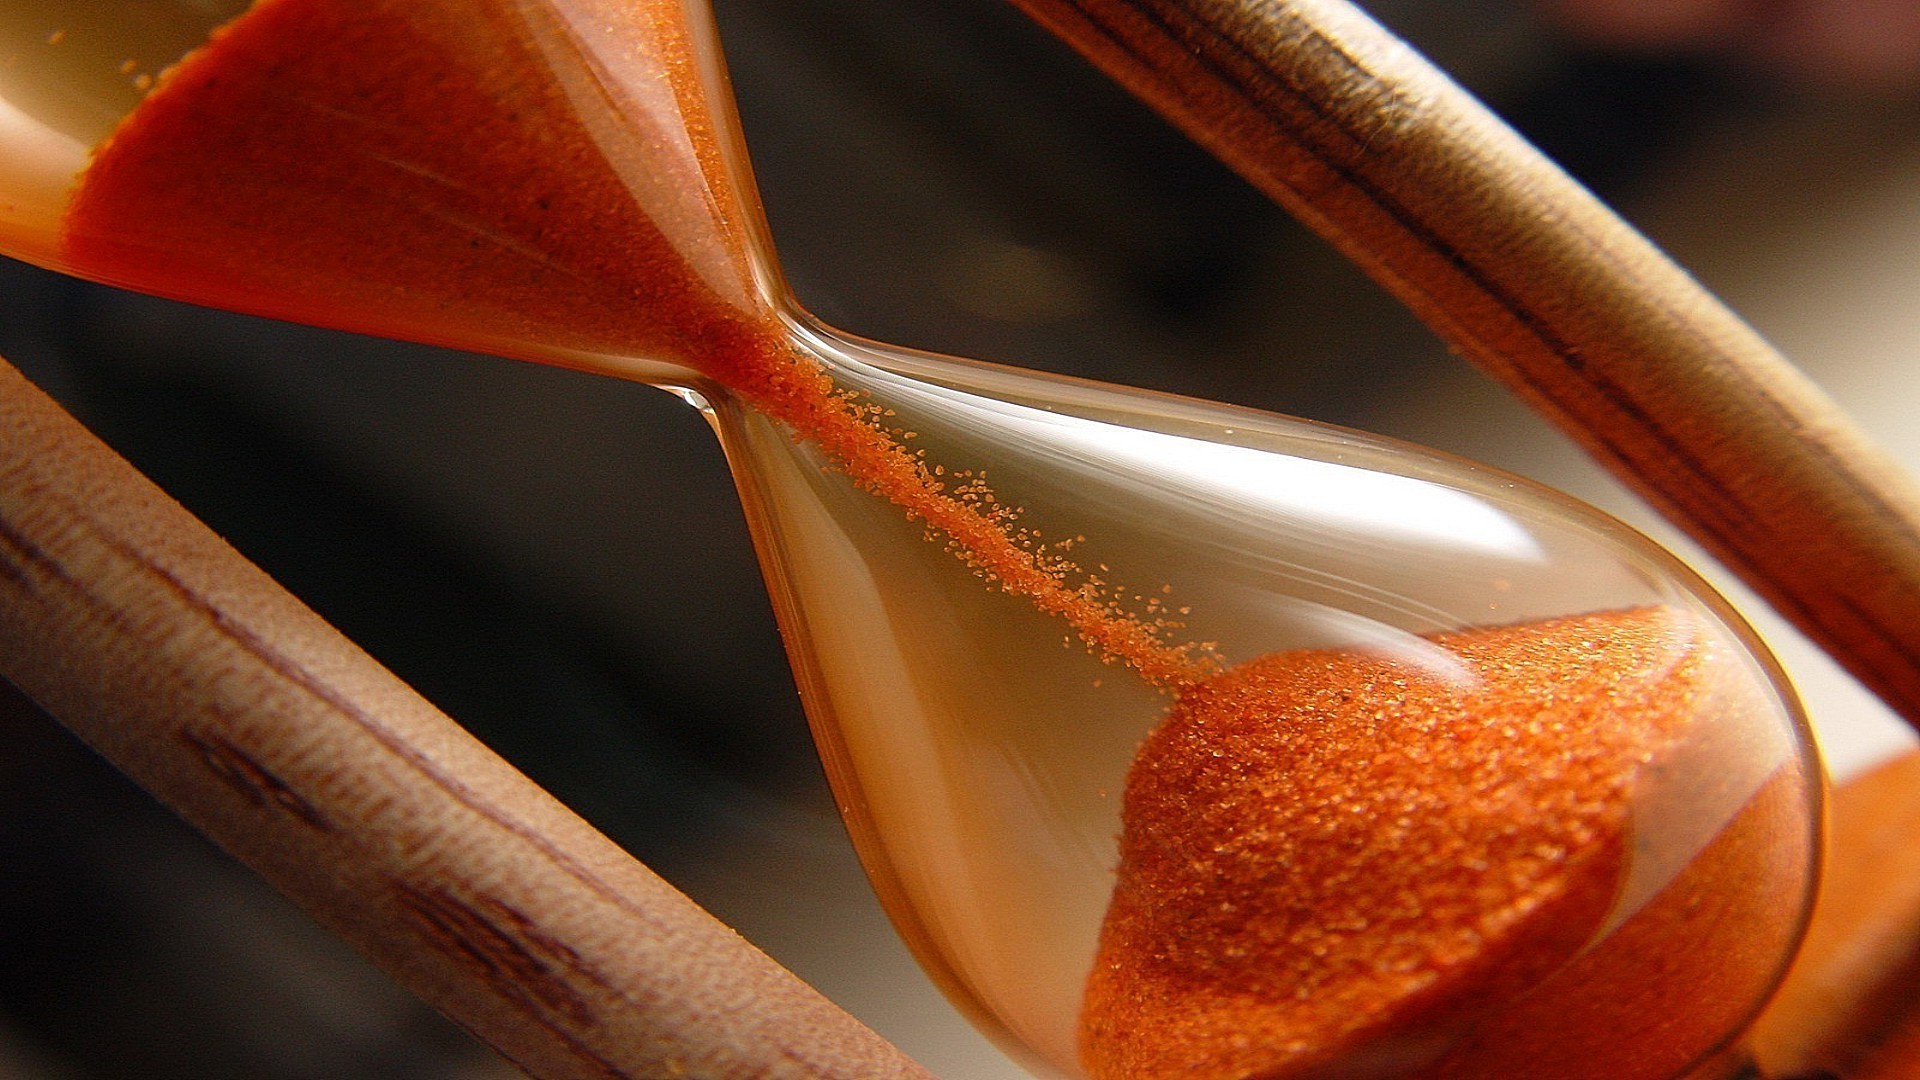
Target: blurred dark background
<point>556,559</point>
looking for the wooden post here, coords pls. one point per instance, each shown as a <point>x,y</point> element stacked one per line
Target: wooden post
<point>188,668</point>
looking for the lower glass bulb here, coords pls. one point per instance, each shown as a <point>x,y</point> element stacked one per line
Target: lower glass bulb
<point>1445,775</point>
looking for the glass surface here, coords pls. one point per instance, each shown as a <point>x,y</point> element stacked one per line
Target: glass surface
<point>1179,740</point>
<point>982,755</point>
<point>72,72</point>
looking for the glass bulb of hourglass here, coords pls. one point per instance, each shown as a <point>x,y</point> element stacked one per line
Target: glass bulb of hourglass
<point>1179,740</point>
<point>1480,761</point>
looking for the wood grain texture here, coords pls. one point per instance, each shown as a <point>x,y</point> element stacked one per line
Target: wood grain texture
<point>1525,273</point>
<point>190,670</point>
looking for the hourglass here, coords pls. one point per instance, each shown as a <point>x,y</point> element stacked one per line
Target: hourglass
<point>1179,740</point>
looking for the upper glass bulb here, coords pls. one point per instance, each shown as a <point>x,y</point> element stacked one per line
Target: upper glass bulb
<point>1180,740</point>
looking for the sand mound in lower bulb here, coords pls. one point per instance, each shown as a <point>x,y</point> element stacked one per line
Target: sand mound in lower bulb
<point>1335,863</point>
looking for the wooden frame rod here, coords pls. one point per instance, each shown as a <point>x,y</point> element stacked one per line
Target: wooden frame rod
<point>190,670</point>
<point>1524,272</point>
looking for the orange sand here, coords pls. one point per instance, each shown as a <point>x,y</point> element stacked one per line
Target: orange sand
<point>1335,864</point>
<point>413,168</point>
